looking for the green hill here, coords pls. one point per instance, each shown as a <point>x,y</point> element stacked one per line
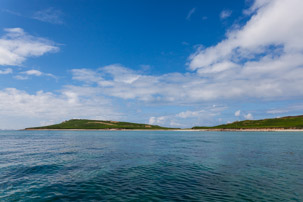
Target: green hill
<point>289,122</point>
<point>97,124</point>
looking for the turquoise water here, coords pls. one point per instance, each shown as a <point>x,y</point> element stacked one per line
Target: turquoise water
<point>151,166</point>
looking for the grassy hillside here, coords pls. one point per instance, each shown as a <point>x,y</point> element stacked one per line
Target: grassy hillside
<point>97,124</point>
<point>290,122</point>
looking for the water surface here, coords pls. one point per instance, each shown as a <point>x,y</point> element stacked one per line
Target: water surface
<point>150,166</point>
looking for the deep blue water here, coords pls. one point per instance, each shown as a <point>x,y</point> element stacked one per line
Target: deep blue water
<point>151,166</point>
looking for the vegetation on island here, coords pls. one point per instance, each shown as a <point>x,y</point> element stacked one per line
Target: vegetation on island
<point>289,122</point>
<point>97,124</point>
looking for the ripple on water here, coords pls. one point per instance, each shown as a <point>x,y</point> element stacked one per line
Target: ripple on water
<point>137,168</point>
<point>164,181</point>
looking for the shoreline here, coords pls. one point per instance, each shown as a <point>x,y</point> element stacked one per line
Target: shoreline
<point>187,130</point>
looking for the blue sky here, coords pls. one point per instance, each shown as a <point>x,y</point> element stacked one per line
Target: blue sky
<point>171,63</point>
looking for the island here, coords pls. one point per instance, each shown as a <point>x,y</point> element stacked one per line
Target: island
<point>274,124</point>
<point>85,124</point>
<point>289,123</point>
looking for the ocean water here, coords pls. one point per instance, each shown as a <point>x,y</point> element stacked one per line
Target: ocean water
<point>150,166</point>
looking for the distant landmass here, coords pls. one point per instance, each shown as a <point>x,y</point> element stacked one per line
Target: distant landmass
<point>289,122</point>
<point>86,124</point>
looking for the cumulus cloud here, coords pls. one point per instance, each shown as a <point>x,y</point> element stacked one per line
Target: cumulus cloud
<point>276,25</point>
<point>189,88</point>
<point>157,120</point>
<point>189,118</point>
<point>238,113</point>
<point>33,72</point>
<point>50,15</point>
<point>45,106</point>
<point>263,59</point>
<point>248,116</point>
<point>122,82</point>
<point>16,46</point>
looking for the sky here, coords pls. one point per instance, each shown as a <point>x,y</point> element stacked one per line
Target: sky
<point>169,63</point>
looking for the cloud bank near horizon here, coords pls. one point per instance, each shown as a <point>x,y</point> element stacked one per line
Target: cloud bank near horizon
<point>261,60</point>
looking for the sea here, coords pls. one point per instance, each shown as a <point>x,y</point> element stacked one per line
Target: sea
<point>151,166</point>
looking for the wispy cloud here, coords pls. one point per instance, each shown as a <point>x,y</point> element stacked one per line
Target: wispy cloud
<point>11,12</point>
<point>225,14</point>
<point>33,72</point>
<point>6,71</point>
<point>190,13</point>
<point>16,46</point>
<point>50,15</point>
<point>296,108</point>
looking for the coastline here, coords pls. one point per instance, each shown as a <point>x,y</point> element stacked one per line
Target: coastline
<point>253,130</point>
<point>101,129</point>
<point>187,130</point>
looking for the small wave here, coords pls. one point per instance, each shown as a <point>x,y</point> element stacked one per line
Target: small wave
<point>25,171</point>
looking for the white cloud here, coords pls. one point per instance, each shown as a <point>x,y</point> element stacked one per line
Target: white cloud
<point>276,24</point>
<point>248,116</point>
<point>21,77</point>
<point>206,112</point>
<point>33,72</point>
<point>6,71</point>
<point>86,75</point>
<point>188,114</point>
<point>190,13</point>
<point>176,88</point>
<point>16,46</point>
<point>50,15</point>
<point>190,118</point>
<point>46,106</point>
<point>157,120</point>
<point>294,108</point>
<point>262,59</point>
<point>225,14</point>
<point>238,113</point>
<point>152,120</point>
